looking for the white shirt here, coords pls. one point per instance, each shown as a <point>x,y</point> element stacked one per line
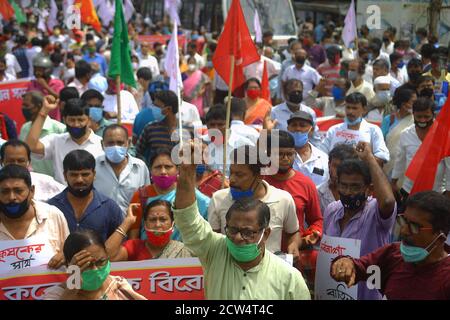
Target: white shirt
<point>8,77</point>
<point>189,115</point>
<point>45,187</point>
<point>198,59</point>
<point>401,76</point>
<point>150,62</point>
<point>389,49</point>
<point>57,146</point>
<point>128,104</point>
<point>371,133</point>
<point>283,217</point>
<point>316,167</point>
<point>256,69</point>
<point>12,65</point>
<point>61,39</point>
<point>309,77</point>
<point>375,115</point>
<point>364,88</point>
<point>408,145</point>
<point>81,88</point>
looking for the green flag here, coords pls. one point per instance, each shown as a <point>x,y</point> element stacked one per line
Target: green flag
<point>20,17</point>
<point>120,52</point>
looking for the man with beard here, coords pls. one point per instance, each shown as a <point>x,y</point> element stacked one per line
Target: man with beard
<point>357,215</point>
<point>56,146</point>
<point>83,206</point>
<point>418,268</point>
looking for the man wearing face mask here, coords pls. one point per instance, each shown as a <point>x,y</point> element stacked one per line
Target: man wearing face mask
<point>97,121</point>
<point>147,60</point>
<point>119,174</point>
<point>246,182</point>
<point>22,217</point>
<point>334,105</point>
<point>330,68</point>
<point>356,69</point>
<point>31,105</point>
<point>418,267</point>
<point>56,146</point>
<point>381,69</point>
<point>360,216</point>
<point>306,74</point>
<point>83,73</point>
<point>309,160</point>
<point>439,70</point>
<point>414,69</point>
<point>410,140</point>
<point>381,103</point>
<point>236,265</point>
<point>83,206</point>
<point>128,103</point>
<point>93,56</point>
<point>281,113</point>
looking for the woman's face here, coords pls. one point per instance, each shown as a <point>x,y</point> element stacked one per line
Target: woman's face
<point>99,257</point>
<point>158,218</point>
<point>163,166</point>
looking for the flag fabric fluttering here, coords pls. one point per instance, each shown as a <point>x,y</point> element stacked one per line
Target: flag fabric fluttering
<point>120,64</point>
<point>88,14</point>
<point>43,14</point>
<point>265,86</point>
<point>52,21</point>
<point>106,12</point>
<point>236,41</point>
<point>171,63</point>
<point>20,16</point>
<point>350,32</point>
<point>129,10</point>
<point>172,7</point>
<point>6,10</point>
<point>257,26</point>
<point>436,146</point>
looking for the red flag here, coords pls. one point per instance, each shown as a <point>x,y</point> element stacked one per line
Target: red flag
<point>236,41</point>
<point>6,10</point>
<point>435,147</point>
<point>265,87</point>
<point>88,14</point>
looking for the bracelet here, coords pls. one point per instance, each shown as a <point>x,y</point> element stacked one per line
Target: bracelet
<point>120,230</point>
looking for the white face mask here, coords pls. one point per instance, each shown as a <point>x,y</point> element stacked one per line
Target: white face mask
<point>192,67</point>
<point>384,96</point>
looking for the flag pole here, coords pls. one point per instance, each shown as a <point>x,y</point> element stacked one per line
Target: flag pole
<point>227,125</point>
<point>119,106</point>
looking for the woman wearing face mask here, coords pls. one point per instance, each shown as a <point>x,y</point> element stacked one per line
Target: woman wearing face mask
<point>194,85</point>
<point>86,250</point>
<point>257,108</point>
<point>158,226</point>
<point>164,175</point>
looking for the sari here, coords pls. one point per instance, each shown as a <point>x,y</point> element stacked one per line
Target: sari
<point>255,117</point>
<point>192,87</point>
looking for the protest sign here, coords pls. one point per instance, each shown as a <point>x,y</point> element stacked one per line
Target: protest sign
<point>11,93</point>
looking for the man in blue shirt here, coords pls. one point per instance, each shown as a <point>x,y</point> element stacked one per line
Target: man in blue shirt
<point>93,56</point>
<point>82,205</point>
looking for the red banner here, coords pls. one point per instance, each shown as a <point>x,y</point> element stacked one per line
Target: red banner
<point>159,279</point>
<point>11,100</point>
<point>152,39</point>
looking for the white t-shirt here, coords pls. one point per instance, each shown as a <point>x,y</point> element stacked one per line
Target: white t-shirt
<point>128,105</point>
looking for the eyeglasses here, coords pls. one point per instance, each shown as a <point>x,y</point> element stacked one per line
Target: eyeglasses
<point>246,234</point>
<point>413,227</point>
<point>350,187</point>
<point>286,154</point>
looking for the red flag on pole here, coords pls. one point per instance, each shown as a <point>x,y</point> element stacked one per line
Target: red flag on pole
<point>6,10</point>
<point>88,14</point>
<point>265,87</point>
<point>435,147</point>
<point>236,41</point>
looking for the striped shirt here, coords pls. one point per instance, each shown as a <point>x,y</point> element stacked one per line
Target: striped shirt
<point>154,135</point>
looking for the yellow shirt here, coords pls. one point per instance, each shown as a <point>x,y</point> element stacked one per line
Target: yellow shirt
<point>445,76</point>
<point>271,279</point>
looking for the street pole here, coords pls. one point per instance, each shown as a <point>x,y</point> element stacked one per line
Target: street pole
<point>434,15</point>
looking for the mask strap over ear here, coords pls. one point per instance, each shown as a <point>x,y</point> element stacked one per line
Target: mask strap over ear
<point>434,241</point>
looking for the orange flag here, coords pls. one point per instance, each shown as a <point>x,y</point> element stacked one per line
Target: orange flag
<point>265,87</point>
<point>435,147</point>
<point>88,14</point>
<point>6,10</point>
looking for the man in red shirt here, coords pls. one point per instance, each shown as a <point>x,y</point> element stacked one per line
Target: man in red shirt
<point>418,268</point>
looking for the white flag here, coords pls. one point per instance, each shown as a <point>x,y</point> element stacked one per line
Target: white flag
<point>129,10</point>
<point>106,11</point>
<point>171,7</point>
<point>349,33</point>
<point>52,21</point>
<point>257,26</point>
<point>172,62</point>
<point>43,14</point>
<point>66,8</point>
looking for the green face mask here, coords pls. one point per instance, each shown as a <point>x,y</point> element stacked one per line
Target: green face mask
<point>93,279</point>
<point>246,252</point>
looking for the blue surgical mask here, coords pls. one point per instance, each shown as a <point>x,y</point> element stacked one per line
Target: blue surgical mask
<point>353,123</point>
<point>96,114</point>
<point>300,138</point>
<point>237,194</point>
<point>416,254</point>
<point>116,154</point>
<point>384,96</point>
<point>157,114</point>
<point>401,64</point>
<point>338,93</point>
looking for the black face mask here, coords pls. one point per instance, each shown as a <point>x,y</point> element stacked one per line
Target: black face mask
<point>75,132</point>
<point>353,202</point>
<point>14,210</point>
<point>27,114</point>
<point>296,96</point>
<point>414,76</point>
<point>300,60</point>
<point>80,193</point>
<point>424,125</point>
<point>427,93</point>
<point>386,40</point>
